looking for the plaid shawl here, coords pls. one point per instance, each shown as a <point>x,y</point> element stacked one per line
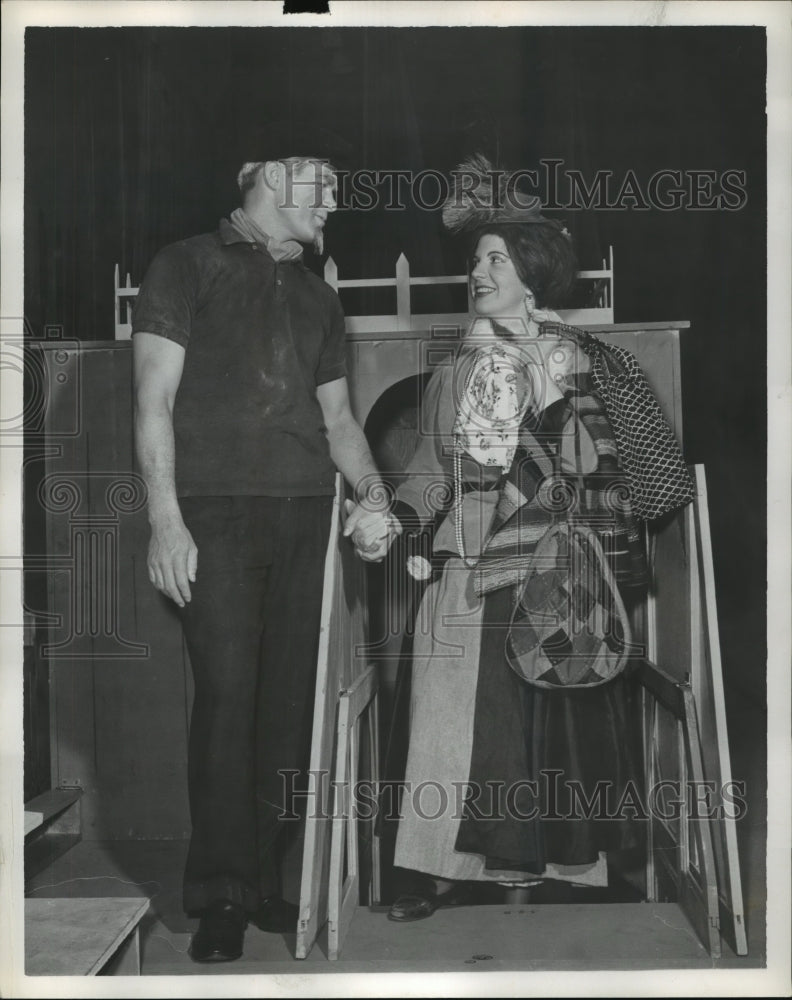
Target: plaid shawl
<point>535,493</point>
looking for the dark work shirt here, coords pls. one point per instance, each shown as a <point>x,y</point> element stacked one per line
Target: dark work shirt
<point>259,337</point>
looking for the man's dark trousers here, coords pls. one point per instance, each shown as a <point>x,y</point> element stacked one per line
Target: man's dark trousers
<point>252,630</point>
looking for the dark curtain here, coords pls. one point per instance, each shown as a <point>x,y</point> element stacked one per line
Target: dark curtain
<point>134,137</point>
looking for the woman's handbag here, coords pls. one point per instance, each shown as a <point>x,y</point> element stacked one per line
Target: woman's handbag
<point>569,628</point>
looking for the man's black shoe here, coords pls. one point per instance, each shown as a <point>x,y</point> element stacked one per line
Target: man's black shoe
<point>220,933</point>
<point>276,916</point>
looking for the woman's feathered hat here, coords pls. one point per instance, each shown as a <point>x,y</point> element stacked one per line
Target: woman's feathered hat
<point>482,195</point>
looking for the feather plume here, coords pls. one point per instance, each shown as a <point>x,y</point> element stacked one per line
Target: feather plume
<point>480,195</point>
<point>472,201</point>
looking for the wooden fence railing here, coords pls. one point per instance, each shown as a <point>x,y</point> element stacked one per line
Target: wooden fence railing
<point>404,319</point>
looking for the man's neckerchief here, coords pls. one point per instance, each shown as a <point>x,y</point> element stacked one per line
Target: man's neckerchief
<point>245,226</point>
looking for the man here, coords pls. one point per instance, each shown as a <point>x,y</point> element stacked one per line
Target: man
<point>242,416</point>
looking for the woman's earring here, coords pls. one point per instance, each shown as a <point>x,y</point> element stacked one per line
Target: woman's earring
<point>530,303</point>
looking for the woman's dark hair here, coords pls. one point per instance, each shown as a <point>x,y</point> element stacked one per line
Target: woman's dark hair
<point>542,254</point>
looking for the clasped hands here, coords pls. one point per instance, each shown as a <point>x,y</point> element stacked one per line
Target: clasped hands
<point>372,530</point>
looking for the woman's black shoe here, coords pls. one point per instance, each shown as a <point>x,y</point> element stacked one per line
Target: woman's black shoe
<point>420,905</point>
<point>220,933</point>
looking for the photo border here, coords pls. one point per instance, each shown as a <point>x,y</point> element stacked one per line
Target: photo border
<point>772,981</point>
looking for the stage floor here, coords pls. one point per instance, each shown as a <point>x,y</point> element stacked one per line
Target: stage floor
<point>548,936</point>
<point>492,938</point>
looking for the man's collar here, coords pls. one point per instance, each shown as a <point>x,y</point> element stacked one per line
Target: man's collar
<point>230,234</point>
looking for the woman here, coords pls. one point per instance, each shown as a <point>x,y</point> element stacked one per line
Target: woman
<point>499,773</point>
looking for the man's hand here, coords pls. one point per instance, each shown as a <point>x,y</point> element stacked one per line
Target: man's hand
<point>172,555</point>
<point>172,559</point>
<point>371,526</point>
<point>372,531</point>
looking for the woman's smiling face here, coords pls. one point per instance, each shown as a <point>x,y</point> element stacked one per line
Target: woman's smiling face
<point>494,285</point>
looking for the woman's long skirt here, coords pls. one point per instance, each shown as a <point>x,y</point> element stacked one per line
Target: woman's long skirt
<point>475,800</point>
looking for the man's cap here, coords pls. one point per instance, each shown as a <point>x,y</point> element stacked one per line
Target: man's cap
<point>277,140</point>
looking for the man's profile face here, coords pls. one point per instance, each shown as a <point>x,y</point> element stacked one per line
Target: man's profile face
<point>306,196</point>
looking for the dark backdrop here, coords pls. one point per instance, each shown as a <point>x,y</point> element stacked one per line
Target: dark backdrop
<point>133,138</point>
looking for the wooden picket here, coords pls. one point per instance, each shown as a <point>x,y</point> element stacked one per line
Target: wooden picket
<point>403,320</point>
